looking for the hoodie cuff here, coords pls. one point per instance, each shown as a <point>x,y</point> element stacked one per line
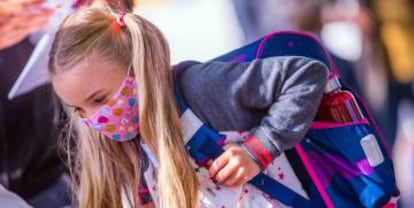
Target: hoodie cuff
<point>257,151</point>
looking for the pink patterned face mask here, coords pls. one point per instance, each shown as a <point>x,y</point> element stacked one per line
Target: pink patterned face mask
<point>118,118</point>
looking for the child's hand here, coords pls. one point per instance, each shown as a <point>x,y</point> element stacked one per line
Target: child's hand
<point>234,167</point>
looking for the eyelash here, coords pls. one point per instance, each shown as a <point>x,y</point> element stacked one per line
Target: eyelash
<point>100,100</point>
<point>76,109</point>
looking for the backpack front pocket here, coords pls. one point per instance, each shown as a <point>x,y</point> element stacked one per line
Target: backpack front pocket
<point>348,165</point>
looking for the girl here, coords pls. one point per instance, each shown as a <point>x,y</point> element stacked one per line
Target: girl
<point>114,71</point>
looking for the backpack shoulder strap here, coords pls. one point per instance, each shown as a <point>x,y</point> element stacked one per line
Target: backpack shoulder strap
<point>193,127</point>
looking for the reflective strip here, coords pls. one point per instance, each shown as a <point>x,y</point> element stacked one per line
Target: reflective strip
<point>190,125</point>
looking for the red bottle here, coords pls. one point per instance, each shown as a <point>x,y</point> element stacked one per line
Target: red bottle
<point>338,106</point>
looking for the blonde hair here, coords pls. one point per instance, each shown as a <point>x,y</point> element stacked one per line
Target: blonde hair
<point>105,169</point>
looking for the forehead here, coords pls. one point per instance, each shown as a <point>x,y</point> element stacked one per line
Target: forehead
<point>75,83</point>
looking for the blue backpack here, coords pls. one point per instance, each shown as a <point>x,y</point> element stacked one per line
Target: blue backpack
<point>339,165</point>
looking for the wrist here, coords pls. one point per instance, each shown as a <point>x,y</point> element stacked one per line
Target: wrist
<point>257,151</point>
<point>251,155</point>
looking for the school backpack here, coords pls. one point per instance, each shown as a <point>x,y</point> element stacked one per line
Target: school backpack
<point>338,164</point>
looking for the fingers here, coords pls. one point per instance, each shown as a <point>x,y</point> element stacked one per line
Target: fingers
<point>28,21</point>
<point>234,167</point>
<point>225,173</point>
<point>29,1</point>
<point>232,175</point>
<point>218,164</point>
<point>3,20</point>
<point>238,178</point>
<point>225,166</point>
<point>18,5</point>
<point>9,37</point>
<point>208,164</point>
<point>33,12</point>
<point>5,43</point>
<point>12,6</point>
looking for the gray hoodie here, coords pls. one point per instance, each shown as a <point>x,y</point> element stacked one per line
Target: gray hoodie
<point>275,99</point>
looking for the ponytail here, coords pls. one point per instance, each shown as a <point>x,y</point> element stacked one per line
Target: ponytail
<point>160,125</point>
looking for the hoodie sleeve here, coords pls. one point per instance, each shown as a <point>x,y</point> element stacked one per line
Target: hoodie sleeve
<point>274,99</point>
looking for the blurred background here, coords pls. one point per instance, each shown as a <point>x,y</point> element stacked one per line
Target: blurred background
<point>372,42</point>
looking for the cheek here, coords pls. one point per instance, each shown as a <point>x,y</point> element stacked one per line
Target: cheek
<point>88,112</point>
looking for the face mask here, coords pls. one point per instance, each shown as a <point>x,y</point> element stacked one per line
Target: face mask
<point>118,118</point>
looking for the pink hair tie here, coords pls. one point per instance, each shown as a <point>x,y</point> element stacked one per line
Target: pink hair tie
<point>121,21</point>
